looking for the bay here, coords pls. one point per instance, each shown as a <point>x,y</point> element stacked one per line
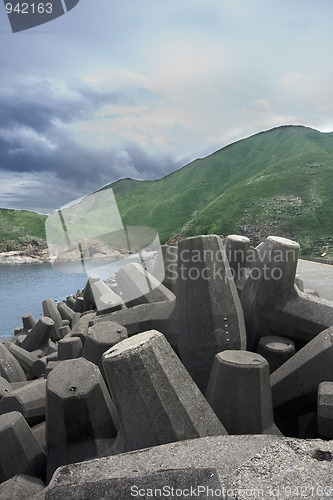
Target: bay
<point>23,287</point>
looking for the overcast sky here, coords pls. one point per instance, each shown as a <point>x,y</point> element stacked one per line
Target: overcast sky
<point>138,88</point>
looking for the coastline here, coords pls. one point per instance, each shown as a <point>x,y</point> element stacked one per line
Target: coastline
<point>25,257</point>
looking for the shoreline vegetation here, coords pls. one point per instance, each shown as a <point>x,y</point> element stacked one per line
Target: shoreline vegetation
<point>42,256</point>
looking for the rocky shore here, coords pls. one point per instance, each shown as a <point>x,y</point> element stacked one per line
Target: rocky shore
<point>24,257</point>
<point>217,382</point>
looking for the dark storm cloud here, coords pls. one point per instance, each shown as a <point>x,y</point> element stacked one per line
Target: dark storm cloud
<point>32,137</point>
<point>38,104</point>
<point>42,151</point>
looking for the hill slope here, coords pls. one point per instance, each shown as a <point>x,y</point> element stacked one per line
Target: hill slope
<point>275,182</point>
<point>21,229</point>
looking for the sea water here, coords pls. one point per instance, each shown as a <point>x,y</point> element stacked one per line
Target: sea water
<point>23,287</point>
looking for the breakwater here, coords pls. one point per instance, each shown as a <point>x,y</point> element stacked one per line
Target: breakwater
<point>218,379</point>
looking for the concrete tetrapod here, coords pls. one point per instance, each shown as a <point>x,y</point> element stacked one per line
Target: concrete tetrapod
<point>170,257</point>
<point>25,358</point>
<point>156,399</point>
<point>28,322</point>
<point>325,410</point>
<point>239,392</point>
<point>81,419</point>
<point>50,310</point>
<point>10,369</point>
<point>158,316</point>
<point>30,400</point>
<point>276,350</point>
<point>210,317</point>
<point>274,305</point>
<point>39,336</point>
<point>106,299</point>
<point>100,338</point>
<point>295,383</point>
<point>69,348</point>
<point>20,452</point>
<point>68,314</point>
<point>138,286</point>
<point>5,387</point>
<point>237,250</point>
<point>21,487</point>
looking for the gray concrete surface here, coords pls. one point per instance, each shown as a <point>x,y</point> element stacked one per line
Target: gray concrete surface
<point>316,276</point>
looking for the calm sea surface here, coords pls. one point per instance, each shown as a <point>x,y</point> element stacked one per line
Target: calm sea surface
<point>23,287</point>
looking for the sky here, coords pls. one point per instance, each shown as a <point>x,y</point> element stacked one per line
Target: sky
<point>139,88</point>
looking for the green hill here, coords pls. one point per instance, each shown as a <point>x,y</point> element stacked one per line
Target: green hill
<point>21,229</point>
<point>275,182</point>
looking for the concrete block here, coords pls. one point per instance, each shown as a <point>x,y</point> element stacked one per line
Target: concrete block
<point>64,331</point>
<point>79,305</point>
<point>208,307</point>
<point>295,383</point>
<point>273,304</point>
<point>18,330</point>
<point>50,349</point>
<point>159,316</point>
<point>156,399</point>
<point>29,400</point>
<point>39,366</point>
<point>50,366</point>
<point>276,350</point>
<point>170,258</point>
<point>106,299</point>
<point>138,286</point>
<point>39,336</point>
<point>28,322</point>
<point>20,452</point>
<point>325,410</point>
<point>81,419</point>
<point>17,385</point>
<point>101,337</point>
<point>21,487</point>
<point>237,250</point>
<point>225,453</point>
<point>67,314</point>
<point>50,310</point>
<point>25,358</point>
<point>299,283</point>
<point>10,368</point>
<point>87,293</point>
<point>249,466</point>
<point>5,387</point>
<point>69,348</point>
<point>239,392</point>
<point>166,483</point>
<point>80,329</point>
<point>39,431</point>
<point>70,301</point>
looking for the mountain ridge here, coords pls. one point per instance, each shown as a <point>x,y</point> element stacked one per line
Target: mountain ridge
<point>278,181</point>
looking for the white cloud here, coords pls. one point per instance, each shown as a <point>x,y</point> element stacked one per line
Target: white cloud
<point>292,78</point>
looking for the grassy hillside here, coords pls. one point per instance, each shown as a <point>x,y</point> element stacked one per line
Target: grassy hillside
<point>276,182</point>
<point>19,228</point>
